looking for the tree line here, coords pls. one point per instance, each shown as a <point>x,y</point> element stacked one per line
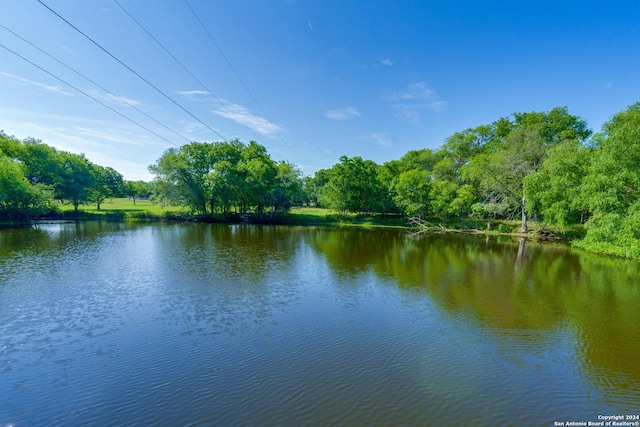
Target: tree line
<point>33,175</point>
<point>545,165</point>
<point>221,177</point>
<point>548,166</point>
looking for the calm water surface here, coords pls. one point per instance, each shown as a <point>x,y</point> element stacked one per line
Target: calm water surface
<point>125,324</point>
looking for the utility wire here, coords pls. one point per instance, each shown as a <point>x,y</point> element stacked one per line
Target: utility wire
<point>228,62</point>
<point>132,70</point>
<point>87,95</point>
<point>98,85</point>
<point>181,64</point>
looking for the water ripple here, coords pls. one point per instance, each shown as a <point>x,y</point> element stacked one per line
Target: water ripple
<point>170,325</point>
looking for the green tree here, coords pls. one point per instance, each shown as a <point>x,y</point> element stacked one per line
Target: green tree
<point>353,186</point>
<point>76,179</point>
<point>44,164</point>
<point>210,177</point>
<point>611,188</point>
<point>387,179</point>
<point>517,149</point>
<point>223,183</point>
<point>555,188</point>
<point>412,192</point>
<point>10,146</point>
<point>180,176</point>
<point>287,191</point>
<point>453,191</point>
<point>259,178</point>
<point>423,159</point>
<point>18,197</point>
<point>313,186</point>
<point>107,183</point>
<point>137,189</point>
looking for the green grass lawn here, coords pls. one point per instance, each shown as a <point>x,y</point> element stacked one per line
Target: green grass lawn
<point>124,206</point>
<point>311,211</point>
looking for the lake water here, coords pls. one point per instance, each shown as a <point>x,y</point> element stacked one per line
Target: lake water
<point>192,324</point>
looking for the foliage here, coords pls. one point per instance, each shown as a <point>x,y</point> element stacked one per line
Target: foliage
<point>135,190</point>
<point>34,173</point>
<point>108,183</point>
<point>517,149</point>
<point>218,177</point>
<point>611,187</point>
<point>412,192</point>
<point>353,186</point>
<point>18,197</point>
<point>555,189</point>
<point>76,179</point>
<point>287,189</point>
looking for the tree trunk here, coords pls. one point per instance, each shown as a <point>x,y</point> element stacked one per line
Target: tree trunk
<point>524,228</point>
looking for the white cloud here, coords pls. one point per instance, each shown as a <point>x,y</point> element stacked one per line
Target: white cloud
<point>192,93</point>
<point>382,139</point>
<point>415,91</point>
<point>412,100</point>
<point>111,135</point>
<point>242,115</point>
<point>113,99</point>
<point>121,99</point>
<point>386,62</point>
<point>27,82</point>
<point>342,114</point>
<point>193,128</point>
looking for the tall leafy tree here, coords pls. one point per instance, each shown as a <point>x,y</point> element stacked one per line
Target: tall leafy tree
<point>453,192</point>
<point>10,146</point>
<point>259,177</point>
<point>611,188</point>
<point>517,149</point>
<point>387,180</point>
<point>353,186</point>
<point>107,183</point>
<point>287,188</point>
<point>180,176</point>
<point>215,177</point>
<point>554,189</point>
<point>223,183</point>
<point>44,164</point>
<point>76,179</point>
<point>313,186</point>
<point>19,197</point>
<point>136,189</point>
<point>412,192</point>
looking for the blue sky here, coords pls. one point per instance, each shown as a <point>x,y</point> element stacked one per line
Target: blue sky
<point>309,80</point>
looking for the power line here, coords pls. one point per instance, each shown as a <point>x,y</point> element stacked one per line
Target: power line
<point>87,95</point>
<point>132,70</point>
<point>228,62</point>
<point>180,63</point>
<point>98,85</point>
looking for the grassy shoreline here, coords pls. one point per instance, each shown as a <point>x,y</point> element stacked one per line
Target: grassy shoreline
<point>123,209</point>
